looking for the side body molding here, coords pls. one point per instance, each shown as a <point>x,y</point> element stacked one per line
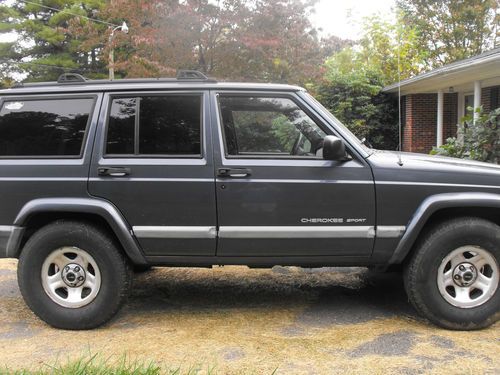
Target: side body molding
<point>94,206</point>
<point>433,204</point>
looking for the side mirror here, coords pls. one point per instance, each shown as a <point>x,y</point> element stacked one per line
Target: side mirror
<point>333,148</point>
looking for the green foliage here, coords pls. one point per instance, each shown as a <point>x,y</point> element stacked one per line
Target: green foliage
<point>45,45</point>
<point>285,132</point>
<point>480,139</point>
<point>392,49</point>
<point>451,30</point>
<point>355,76</point>
<point>355,98</point>
<point>257,131</point>
<point>452,148</point>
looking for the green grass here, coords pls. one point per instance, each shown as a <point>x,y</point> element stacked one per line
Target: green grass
<point>98,365</point>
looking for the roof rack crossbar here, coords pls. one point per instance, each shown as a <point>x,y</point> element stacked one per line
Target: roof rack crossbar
<point>71,78</point>
<point>186,75</point>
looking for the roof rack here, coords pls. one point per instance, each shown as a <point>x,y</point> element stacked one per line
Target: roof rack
<point>191,75</point>
<point>78,79</point>
<point>71,78</point>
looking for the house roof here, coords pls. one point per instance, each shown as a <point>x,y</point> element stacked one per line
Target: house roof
<point>460,75</point>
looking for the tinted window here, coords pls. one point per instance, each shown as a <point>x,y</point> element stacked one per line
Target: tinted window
<point>48,127</point>
<point>269,126</point>
<point>166,125</point>
<point>121,126</point>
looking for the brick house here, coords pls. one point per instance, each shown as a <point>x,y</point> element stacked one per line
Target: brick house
<point>433,103</point>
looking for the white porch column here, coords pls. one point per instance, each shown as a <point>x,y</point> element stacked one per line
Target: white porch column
<point>477,98</point>
<point>439,130</point>
<point>460,114</point>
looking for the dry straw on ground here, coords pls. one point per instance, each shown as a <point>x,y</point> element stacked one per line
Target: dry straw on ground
<point>241,321</point>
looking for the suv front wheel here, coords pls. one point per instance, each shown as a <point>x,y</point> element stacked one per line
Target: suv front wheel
<point>73,276</point>
<point>453,276</point>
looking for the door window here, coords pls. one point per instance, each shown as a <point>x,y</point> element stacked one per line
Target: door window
<point>268,127</point>
<point>155,126</point>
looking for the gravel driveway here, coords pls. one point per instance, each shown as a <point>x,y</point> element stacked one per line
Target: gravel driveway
<point>235,320</point>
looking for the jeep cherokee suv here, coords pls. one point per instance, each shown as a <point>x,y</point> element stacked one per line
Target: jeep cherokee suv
<point>99,177</point>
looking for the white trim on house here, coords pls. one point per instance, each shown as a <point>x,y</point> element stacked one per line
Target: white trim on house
<point>484,67</point>
<point>439,122</point>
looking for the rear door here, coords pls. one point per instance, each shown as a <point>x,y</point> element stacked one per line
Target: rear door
<point>153,162</point>
<point>276,195</point>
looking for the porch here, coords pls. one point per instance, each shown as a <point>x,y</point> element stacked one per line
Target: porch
<point>433,103</point>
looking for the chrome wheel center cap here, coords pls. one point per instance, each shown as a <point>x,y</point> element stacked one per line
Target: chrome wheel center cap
<point>73,275</point>
<point>465,274</point>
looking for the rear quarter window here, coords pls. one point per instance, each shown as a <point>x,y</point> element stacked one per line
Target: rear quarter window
<point>44,127</point>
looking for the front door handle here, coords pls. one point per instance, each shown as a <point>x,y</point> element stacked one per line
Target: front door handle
<point>234,172</point>
<point>113,171</point>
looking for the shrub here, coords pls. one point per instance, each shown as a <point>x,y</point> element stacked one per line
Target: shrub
<point>479,140</point>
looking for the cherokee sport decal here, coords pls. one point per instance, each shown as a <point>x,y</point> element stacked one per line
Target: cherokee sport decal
<point>331,220</point>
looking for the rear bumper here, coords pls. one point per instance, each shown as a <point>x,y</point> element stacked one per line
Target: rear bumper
<point>10,238</point>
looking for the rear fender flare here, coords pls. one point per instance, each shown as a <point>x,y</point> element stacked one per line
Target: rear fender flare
<point>99,207</point>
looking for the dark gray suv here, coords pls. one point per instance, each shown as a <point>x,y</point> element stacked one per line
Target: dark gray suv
<point>100,177</point>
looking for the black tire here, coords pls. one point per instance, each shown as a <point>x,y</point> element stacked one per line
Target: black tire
<point>115,272</point>
<point>421,273</point>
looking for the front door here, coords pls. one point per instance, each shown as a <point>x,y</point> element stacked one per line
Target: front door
<point>152,161</point>
<point>276,195</point>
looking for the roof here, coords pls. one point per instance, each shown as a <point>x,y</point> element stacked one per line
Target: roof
<point>141,85</point>
<point>460,74</point>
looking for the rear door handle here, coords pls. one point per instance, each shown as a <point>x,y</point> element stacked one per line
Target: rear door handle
<point>234,172</point>
<point>113,171</point>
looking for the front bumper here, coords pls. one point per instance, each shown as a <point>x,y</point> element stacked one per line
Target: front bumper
<point>10,239</point>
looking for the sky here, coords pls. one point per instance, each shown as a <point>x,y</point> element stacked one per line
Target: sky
<point>333,15</point>
<point>336,17</point>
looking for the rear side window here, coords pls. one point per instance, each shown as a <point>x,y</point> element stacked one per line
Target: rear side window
<point>155,126</point>
<point>45,127</point>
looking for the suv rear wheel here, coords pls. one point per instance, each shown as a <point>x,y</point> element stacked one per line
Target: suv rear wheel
<point>73,276</point>
<point>453,277</point>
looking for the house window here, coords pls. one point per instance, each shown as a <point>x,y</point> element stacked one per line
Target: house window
<point>468,103</point>
<point>495,101</point>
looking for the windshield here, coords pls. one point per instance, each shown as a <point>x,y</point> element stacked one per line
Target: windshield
<point>343,129</point>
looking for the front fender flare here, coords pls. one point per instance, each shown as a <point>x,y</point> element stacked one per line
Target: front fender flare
<point>433,204</point>
<point>99,207</point>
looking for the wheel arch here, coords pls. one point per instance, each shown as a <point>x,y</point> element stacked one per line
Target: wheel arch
<point>38,211</point>
<point>439,207</point>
